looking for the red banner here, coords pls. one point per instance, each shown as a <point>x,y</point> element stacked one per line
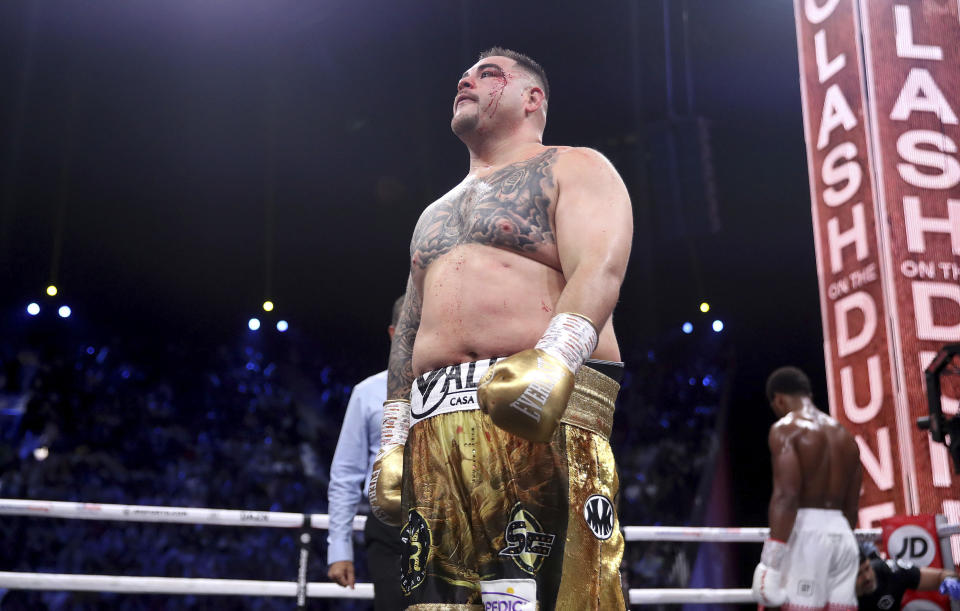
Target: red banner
<point>850,262</point>
<point>912,52</point>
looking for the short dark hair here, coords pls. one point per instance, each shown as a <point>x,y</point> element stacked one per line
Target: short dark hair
<point>397,306</point>
<point>524,61</point>
<point>788,381</point>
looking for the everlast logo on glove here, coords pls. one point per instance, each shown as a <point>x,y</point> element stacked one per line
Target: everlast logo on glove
<point>531,402</point>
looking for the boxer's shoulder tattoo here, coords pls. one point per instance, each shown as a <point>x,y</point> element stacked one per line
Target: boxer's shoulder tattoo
<point>507,209</point>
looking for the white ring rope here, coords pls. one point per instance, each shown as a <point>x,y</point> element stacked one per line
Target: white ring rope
<point>176,585</point>
<point>155,513</point>
<point>276,519</point>
<point>681,596</point>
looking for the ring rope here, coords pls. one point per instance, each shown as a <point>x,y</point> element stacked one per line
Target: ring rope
<point>176,585</point>
<point>686,595</point>
<point>276,519</point>
<point>244,587</point>
<point>321,521</point>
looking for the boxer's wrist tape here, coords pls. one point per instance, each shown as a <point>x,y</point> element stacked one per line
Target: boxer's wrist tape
<point>570,337</point>
<point>773,553</point>
<point>396,422</point>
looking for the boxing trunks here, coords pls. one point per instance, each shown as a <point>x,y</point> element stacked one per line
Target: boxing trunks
<point>821,562</point>
<point>497,522</point>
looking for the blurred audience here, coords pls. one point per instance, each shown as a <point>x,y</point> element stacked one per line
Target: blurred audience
<point>251,428</point>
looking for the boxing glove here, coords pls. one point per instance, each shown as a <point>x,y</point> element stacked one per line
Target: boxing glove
<point>768,587</point>
<point>527,393</point>
<point>387,475</point>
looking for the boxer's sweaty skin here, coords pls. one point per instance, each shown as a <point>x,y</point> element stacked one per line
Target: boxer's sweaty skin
<point>816,464</point>
<point>484,257</point>
<point>529,230</point>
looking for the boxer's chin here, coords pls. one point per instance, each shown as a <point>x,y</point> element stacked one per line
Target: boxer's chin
<point>464,123</point>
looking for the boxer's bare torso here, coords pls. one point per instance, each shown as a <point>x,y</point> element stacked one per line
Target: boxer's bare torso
<point>485,263</point>
<point>816,463</point>
<point>532,231</point>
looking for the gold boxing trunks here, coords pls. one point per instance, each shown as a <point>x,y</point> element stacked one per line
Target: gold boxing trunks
<point>532,525</point>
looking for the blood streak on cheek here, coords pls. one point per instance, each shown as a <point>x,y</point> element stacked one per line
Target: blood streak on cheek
<point>496,95</point>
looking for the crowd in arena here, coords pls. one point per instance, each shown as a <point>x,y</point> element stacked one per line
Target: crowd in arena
<point>254,427</point>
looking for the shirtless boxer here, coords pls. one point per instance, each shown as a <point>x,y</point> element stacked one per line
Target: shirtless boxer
<point>508,492</point>
<point>810,560</point>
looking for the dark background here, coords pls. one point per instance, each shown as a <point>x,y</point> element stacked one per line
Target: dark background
<point>172,164</point>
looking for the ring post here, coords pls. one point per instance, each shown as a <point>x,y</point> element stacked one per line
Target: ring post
<point>304,545</point>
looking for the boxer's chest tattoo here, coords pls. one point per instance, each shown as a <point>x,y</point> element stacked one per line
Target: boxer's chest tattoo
<point>507,209</point>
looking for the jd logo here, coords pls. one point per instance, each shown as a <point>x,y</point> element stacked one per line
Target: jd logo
<point>526,541</point>
<point>913,544</point>
<point>598,512</point>
<point>416,540</point>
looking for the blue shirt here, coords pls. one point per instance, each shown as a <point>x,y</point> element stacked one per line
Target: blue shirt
<point>352,463</point>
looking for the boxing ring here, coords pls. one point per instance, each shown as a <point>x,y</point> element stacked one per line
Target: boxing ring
<point>306,523</point>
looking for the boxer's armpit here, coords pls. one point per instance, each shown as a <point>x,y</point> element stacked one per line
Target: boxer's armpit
<point>400,368</point>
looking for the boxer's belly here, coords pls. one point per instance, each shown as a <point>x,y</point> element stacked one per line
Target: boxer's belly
<point>481,302</point>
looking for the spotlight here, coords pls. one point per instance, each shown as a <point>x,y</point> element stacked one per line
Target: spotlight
<point>41,453</point>
<point>33,309</point>
<point>52,290</point>
<point>718,326</point>
<point>64,311</point>
<point>704,307</point>
<point>253,324</point>
<point>282,326</point>
<point>687,328</point>
<point>267,306</point>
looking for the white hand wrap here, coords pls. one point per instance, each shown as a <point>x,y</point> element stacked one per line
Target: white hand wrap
<point>773,553</point>
<point>571,338</point>
<point>395,424</point>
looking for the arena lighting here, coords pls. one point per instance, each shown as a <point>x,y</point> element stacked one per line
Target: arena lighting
<point>41,453</point>
<point>52,290</point>
<point>718,326</point>
<point>64,311</point>
<point>267,306</point>
<point>253,324</point>
<point>704,307</point>
<point>33,309</point>
<point>687,328</point>
<point>282,326</point>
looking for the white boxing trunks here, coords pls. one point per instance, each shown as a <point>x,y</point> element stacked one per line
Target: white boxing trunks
<point>821,563</point>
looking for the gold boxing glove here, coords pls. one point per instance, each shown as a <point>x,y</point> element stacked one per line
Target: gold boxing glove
<point>387,475</point>
<point>385,485</point>
<point>527,393</point>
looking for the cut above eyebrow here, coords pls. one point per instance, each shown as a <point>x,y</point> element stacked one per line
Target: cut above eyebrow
<point>481,67</point>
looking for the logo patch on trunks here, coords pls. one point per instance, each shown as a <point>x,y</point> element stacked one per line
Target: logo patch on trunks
<point>453,387</point>
<point>598,513</point>
<point>525,540</point>
<point>417,540</point>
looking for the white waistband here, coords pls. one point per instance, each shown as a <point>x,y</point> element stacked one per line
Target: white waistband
<point>820,519</point>
<point>450,389</point>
